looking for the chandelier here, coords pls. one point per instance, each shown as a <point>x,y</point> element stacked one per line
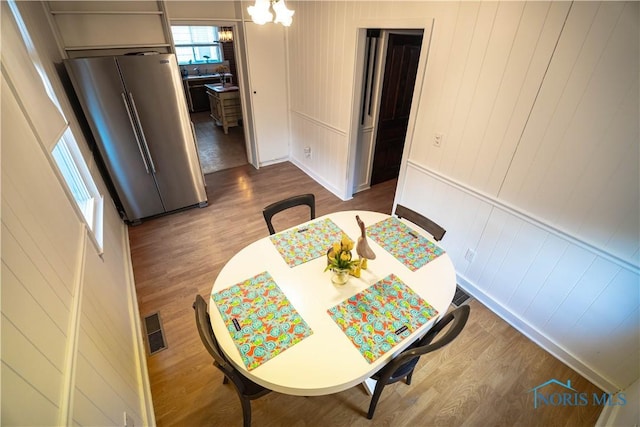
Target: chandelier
<point>260,13</point>
<point>225,35</point>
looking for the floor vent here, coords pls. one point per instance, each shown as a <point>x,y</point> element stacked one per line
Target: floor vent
<point>460,297</point>
<point>155,334</point>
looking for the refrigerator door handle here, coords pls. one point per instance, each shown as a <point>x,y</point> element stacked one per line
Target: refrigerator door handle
<point>135,132</point>
<point>144,140</point>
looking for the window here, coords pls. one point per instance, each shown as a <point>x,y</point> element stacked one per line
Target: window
<point>196,44</point>
<point>66,154</point>
<point>79,180</point>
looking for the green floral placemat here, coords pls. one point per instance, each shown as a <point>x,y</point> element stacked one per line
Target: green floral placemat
<point>304,243</point>
<point>260,319</point>
<point>381,316</point>
<point>407,246</point>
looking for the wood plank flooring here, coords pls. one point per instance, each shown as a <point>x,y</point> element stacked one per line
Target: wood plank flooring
<point>483,378</point>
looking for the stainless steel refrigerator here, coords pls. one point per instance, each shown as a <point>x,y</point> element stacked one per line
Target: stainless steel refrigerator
<point>136,108</point>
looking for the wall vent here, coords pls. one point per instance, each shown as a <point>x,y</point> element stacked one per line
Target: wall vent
<point>460,297</point>
<point>155,333</point>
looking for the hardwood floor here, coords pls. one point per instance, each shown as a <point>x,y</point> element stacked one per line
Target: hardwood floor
<point>483,378</point>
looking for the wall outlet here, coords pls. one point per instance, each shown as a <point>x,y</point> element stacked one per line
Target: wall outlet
<point>437,140</point>
<point>470,255</point>
<point>307,152</point>
<point>128,421</point>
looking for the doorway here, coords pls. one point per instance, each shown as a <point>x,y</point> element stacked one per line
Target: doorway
<point>217,150</point>
<point>399,77</point>
<point>201,65</point>
<point>220,148</point>
<point>391,61</point>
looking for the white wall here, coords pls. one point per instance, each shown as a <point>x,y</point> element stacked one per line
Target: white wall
<point>71,341</point>
<point>538,171</point>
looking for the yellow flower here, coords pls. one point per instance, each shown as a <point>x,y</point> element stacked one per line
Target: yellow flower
<point>346,243</point>
<point>339,255</point>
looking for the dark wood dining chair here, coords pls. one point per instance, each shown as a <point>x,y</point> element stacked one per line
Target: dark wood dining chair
<point>403,364</point>
<point>300,200</point>
<point>246,389</point>
<point>422,221</point>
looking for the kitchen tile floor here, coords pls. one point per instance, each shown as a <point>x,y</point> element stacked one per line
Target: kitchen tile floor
<point>217,150</point>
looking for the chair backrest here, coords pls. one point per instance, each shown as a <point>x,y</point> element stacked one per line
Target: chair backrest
<point>426,344</point>
<point>209,339</point>
<point>431,227</point>
<point>302,199</point>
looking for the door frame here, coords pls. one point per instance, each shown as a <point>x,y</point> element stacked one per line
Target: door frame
<point>386,25</point>
<point>239,48</point>
<point>379,83</point>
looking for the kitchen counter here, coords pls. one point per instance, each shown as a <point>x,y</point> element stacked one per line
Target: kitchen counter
<point>219,88</point>
<point>194,87</point>
<point>205,76</point>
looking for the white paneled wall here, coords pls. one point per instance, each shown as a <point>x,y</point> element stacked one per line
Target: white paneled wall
<point>578,303</point>
<point>321,52</point>
<point>106,373</point>
<point>484,71</point>
<point>577,161</point>
<point>38,276</point>
<point>71,343</point>
<point>325,142</point>
<point>538,170</point>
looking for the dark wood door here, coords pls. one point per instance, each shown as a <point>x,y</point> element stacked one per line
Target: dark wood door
<point>403,53</point>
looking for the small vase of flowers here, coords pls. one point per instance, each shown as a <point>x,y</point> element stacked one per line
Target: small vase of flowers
<point>222,71</point>
<point>340,260</point>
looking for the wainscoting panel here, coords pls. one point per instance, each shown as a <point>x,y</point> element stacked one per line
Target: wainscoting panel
<point>106,345</point>
<point>451,209</point>
<point>325,143</point>
<point>576,301</point>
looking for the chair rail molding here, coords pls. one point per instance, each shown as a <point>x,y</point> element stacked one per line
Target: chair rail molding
<point>526,216</point>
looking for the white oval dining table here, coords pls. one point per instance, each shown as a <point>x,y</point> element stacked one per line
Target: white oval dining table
<point>327,361</point>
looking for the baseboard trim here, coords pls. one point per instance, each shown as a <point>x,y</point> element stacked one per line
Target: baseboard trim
<point>537,337</point>
<point>318,179</point>
<point>274,161</point>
